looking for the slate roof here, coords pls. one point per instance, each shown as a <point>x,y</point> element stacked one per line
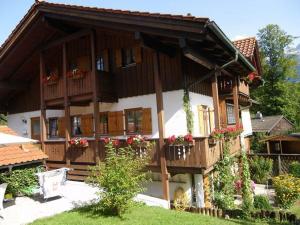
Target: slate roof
<point>266,124</point>
<point>14,154</point>
<point>246,46</point>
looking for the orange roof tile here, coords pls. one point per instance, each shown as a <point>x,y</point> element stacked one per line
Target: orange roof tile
<point>246,46</point>
<point>16,154</point>
<point>7,130</point>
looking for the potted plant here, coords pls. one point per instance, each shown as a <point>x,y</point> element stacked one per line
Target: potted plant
<point>186,140</point>
<point>76,74</point>
<point>50,79</point>
<point>79,142</point>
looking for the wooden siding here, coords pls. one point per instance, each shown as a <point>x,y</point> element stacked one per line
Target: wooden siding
<point>201,155</point>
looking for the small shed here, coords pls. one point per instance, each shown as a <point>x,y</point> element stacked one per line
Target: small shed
<point>283,144</point>
<point>271,125</point>
<point>18,151</point>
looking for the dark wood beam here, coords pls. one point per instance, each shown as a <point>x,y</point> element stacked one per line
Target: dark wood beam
<point>67,108</point>
<point>67,38</point>
<point>155,44</point>
<point>43,130</point>
<point>95,82</point>
<point>235,92</point>
<point>13,85</point>
<point>161,125</point>
<point>215,95</point>
<point>154,29</point>
<point>59,26</point>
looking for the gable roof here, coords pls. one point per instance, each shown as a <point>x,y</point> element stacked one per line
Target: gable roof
<point>267,123</point>
<point>16,150</point>
<point>246,46</point>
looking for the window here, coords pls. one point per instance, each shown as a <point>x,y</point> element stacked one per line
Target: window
<point>133,119</point>
<point>230,114</point>
<point>128,56</point>
<point>53,127</point>
<point>103,123</point>
<point>100,64</point>
<point>76,123</point>
<point>35,128</point>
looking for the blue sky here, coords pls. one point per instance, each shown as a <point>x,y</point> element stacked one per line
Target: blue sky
<point>237,18</point>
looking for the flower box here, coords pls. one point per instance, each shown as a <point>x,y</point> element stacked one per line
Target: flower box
<point>186,140</point>
<point>79,143</point>
<point>51,79</point>
<point>76,74</point>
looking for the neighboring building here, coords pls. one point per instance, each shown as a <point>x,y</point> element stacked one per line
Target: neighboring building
<point>271,125</point>
<point>283,144</point>
<point>18,151</point>
<point>69,71</point>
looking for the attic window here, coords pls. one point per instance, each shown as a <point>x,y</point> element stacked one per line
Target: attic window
<point>128,56</point>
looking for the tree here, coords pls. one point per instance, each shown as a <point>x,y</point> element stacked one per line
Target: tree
<point>277,95</point>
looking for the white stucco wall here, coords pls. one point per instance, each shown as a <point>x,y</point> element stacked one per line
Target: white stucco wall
<point>175,120</point>
<point>15,121</point>
<point>246,121</point>
<point>184,181</point>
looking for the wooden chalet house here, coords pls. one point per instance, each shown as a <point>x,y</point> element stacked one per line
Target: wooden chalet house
<point>68,71</point>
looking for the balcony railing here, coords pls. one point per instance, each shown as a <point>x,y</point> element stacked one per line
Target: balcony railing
<point>226,86</point>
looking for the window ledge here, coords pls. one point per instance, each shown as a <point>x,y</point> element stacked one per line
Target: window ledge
<point>129,65</point>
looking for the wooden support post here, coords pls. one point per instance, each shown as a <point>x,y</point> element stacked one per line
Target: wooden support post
<point>279,165</point>
<point>215,95</point>
<point>161,126</point>
<point>67,107</point>
<point>95,82</point>
<point>43,131</point>
<point>268,147</point>
<point>235,93</point>
<point>280,143</point>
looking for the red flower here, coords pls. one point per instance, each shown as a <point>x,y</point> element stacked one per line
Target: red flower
<point>188,138</point>
<point>106,140</point>
<point>129,140</point>
<point>252,76</point>
<point>171,139</point>
<point>116,142</point>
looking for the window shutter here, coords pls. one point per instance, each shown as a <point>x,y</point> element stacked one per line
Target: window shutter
<point>118,57</point>
<point>115,123</point>
<point>201,119</point>
<point>61,127</point>
<point>106,60</point>
<point>211,119</point>
<point>138,54</point>
<point>147,121</point>
<point>87,125</point>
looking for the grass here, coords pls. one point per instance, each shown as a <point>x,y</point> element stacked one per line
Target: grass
<point>144,215</point>
<point>296,209</point>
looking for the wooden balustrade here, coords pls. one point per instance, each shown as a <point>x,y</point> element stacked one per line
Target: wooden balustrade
<point>54,90</point>
<point>225,86</point>
<point>199,155</point>
<point>80,86</point>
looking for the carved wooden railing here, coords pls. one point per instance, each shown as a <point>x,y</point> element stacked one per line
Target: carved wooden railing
<point>80,86</point>
<point>54,90</point>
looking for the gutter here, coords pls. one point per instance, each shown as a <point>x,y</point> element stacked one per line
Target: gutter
<point>212,26</point>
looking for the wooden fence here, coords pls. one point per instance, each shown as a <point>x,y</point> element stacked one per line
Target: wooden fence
<point>281,162</point>
<point>263,214</point>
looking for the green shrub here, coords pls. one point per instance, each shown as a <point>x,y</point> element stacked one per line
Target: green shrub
<point>261,169</point>
<point>247,194</point>
<point>21,180</point>
<point>294,169</point>
<point>287,190</point>
<point>257,146</point>
<point>121,177</point>
<point>224,182</point>
<point>262,202</point>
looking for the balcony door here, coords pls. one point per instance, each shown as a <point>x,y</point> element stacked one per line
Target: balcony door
<point>35,128</point>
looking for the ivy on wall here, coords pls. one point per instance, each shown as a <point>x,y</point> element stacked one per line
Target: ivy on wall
<point>188,111</point>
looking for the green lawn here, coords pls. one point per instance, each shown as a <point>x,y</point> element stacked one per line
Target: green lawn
<point>141,215</point>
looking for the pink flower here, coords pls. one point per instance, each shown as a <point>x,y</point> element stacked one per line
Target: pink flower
<point>129,140</point>
<point>188,138</point>
<point>116,142</point>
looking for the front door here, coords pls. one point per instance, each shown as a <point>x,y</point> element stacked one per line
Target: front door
<point>35,128</point>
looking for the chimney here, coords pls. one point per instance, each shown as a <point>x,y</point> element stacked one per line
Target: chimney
<point>259,116</point>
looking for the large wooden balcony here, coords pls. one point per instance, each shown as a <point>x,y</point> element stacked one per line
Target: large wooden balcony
<point>200,156</point>
<point>225,85</point>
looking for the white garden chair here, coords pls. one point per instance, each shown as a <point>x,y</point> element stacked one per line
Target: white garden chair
<point>2,193</point>
<point>51,182</point>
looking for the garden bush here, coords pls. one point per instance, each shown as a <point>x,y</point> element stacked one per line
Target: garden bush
<point>121,177</point>
<point>261,169</point>
<point>262,202</point>
<point>294,169</point>
<point>21,181</point>
<point>287,190</point>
